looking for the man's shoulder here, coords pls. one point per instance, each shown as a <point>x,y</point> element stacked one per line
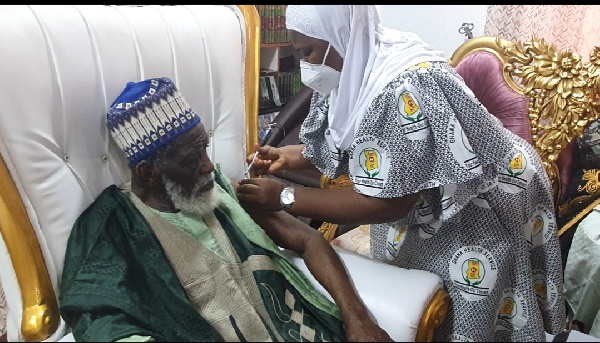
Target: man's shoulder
<point>109,200</point>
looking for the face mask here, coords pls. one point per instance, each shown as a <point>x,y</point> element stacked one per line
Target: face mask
<point>319,77</point>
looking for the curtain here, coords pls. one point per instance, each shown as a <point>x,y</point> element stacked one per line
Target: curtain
<point>574,27</point>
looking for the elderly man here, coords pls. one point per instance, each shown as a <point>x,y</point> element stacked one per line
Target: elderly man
<point>172,256</point>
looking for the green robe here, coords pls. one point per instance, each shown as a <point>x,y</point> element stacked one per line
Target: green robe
<point>117,281</point>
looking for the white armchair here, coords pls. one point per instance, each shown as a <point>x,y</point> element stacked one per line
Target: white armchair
<point>61,68</point>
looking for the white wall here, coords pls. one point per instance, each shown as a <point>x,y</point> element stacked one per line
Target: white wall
<point>436,24</point>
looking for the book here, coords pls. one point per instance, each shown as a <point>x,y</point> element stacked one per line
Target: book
<point>269,94</point>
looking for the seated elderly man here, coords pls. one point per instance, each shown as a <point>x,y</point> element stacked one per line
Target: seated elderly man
<point>172,256</point>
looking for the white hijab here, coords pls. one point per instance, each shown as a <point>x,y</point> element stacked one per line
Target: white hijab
<point>373,56</point>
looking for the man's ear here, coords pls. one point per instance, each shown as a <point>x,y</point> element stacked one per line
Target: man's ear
<point>148,173</point>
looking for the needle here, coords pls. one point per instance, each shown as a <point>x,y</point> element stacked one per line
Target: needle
<point>247,173</point>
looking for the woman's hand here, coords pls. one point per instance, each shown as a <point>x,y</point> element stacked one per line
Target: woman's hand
<point>268,160</point>
<point>262,193</point>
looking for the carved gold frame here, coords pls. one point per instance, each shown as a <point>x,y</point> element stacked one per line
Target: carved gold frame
<point>560,89</point>
<point>41,315</point>
<point>433,316</point>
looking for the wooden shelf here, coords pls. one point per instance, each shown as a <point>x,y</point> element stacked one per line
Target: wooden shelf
<point>275,45</point>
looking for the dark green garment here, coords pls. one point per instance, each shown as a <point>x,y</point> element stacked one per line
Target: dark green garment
<point>117,282</point>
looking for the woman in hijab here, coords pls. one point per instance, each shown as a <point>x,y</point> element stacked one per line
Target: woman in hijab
<point>447,188</point>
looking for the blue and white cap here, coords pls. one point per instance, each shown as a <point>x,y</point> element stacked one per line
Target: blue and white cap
<point>147,115</point>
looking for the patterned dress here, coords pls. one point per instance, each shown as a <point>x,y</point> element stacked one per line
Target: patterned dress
<point>2,312</point>
<point>484,222</point>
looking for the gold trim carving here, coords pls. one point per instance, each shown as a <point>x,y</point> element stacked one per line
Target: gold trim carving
<point>561,91</point>
<point>433,316</point>
<point>593,184</point>
<point>251,79</point>
<point>40,307</point>
<point>578,217</point>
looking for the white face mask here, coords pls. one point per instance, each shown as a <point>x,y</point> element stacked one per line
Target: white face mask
<point>319,77</point>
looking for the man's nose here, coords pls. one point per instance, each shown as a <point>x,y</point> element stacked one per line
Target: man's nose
<point>207,166</point>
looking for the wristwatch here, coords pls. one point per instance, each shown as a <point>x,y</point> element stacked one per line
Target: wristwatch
<point>286,198</point>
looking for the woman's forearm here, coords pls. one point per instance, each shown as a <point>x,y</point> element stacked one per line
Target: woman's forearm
<point>346,206</point>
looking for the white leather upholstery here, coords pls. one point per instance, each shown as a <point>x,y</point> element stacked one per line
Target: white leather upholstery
<point>61,68</point>
<point>396,297</point>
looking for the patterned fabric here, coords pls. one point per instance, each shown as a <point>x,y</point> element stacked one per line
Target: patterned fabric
<point>119,275</point>
<point>567,26</point>
<point>3,311</point>
<point>582,274</point>
<point>484,223</point>
<point>589,146</point>
<point>147,115</point>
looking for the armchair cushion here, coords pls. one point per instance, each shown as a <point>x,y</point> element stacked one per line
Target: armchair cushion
<point>392,283</point>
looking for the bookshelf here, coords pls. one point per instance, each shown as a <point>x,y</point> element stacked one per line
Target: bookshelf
<point>279,63</point>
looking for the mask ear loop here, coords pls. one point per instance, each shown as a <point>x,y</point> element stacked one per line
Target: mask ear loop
<point>325,57</point>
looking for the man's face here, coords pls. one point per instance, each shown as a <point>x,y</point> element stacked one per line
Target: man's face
<point>189,167</point>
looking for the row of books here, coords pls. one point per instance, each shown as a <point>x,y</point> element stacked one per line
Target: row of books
<point>272,24</point>
<point>274,96</point>
<point>289,85</point>
<point>278,92</point>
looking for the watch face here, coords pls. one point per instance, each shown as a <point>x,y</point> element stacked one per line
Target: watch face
<point>287,196</point>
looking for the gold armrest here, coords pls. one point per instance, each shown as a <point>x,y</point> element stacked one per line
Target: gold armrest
<point>433,316</point>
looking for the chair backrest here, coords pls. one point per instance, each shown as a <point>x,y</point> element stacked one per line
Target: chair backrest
<point>61,68</point>
<point>541,94</point>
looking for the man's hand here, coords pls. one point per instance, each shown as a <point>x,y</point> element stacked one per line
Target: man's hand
<point>262,193</point>
<point>364,330</point>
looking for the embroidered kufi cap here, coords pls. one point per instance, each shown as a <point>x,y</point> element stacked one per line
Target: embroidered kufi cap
<point>147,115</point>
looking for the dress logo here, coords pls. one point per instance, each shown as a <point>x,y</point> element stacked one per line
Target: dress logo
<point>513,311</point>
<point>473,271</point>
<point>540,226</point>
<point>395,238</point>
<point>413,123</point>
<point>545,290</point>
<point>517,165</point>
<point>421,65</point>
<point>518,171</point>
<point>369,164</point>
<point>461,148</point>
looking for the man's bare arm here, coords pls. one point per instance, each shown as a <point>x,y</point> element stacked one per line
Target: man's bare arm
<point>325,265</point>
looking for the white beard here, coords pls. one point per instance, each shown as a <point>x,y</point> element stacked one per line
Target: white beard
<point>198,203</point>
